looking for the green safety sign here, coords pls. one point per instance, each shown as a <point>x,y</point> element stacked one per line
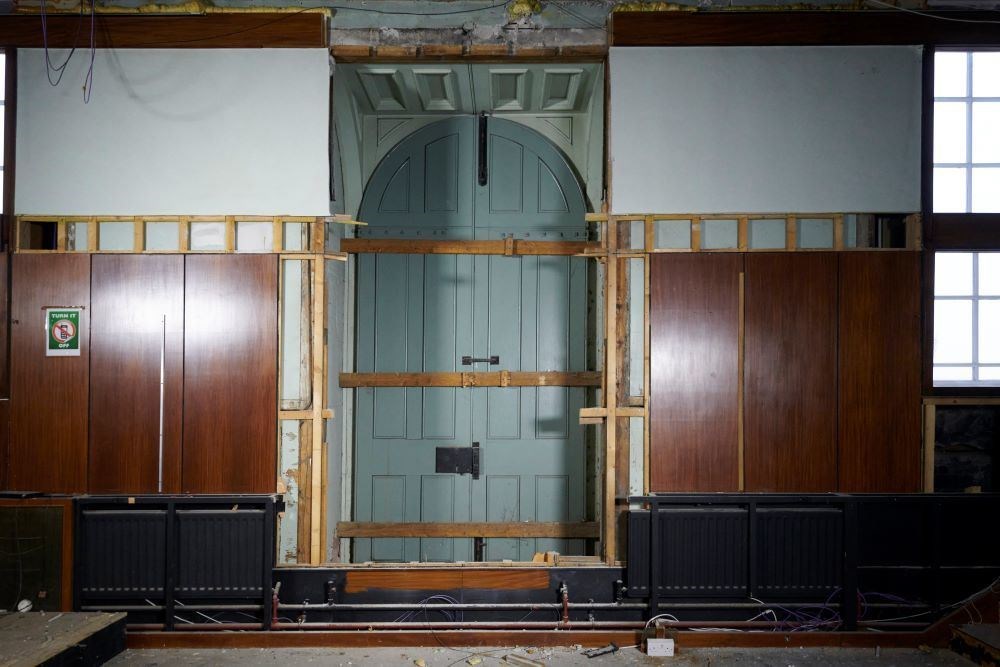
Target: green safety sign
<point>62,332</point>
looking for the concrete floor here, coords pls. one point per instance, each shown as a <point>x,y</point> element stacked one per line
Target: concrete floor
<point>487,657</point>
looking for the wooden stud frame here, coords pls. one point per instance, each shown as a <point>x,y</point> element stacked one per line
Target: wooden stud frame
<point>744,221</point>
<point>930,406</point>
<point>229,245</point>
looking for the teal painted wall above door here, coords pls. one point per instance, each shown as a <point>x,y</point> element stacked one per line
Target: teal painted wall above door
<point>422,313</point>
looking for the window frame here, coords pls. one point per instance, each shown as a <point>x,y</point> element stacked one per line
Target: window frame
<point>9,146</point>
<point>969,100</point>
<point>958,232</point>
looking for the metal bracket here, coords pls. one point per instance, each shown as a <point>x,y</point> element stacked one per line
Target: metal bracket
<point>457,460</point>
<point>483,160</point>
<point>492,360</point>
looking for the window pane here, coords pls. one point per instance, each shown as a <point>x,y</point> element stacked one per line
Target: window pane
<point>953,274</point>
<point>989,274</point>
<point>952,332</point>
<point>989,373</point>
<point>989,331</point>
<point>985,190</point>
<point>986,74</point>
<point>986,132</point>
<point>950,74</point>
<point>949,132</point>
<point>949,190</point>
<point>952,373</point>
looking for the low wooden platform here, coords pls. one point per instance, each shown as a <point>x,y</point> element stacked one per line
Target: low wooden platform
<point>979,642</point>
<point>60,638</point>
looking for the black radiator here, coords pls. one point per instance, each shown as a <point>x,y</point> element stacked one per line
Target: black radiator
<point>829,548</point>
<point>171,559</point>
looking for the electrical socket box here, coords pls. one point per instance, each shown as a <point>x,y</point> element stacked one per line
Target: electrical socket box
<point>660,647</point>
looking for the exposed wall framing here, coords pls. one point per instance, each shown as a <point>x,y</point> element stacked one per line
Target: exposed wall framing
<point>930,406</point>
<point>635,237</point>
<point>622,238</point>
<point>289,237</point>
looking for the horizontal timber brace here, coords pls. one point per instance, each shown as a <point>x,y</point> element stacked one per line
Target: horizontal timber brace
<point>507,247</point>
<point>485,379</point>
<point>589,530</point>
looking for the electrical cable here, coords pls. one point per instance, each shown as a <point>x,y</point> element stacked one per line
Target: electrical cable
<point>928,14</point>
<point>587,22</point>
<point>49,67</point>
<point>88,80</point>
<point>284,17</point>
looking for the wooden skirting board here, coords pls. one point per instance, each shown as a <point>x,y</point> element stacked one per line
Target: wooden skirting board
<point>447,578</point>
<point>509,247</point>
<point>583,530</point>
<point>485,379</point>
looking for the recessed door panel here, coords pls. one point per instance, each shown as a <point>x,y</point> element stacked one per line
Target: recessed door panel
<point>423,313</point>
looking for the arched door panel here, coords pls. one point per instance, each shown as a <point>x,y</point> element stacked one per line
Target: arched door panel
<point>423,313</point>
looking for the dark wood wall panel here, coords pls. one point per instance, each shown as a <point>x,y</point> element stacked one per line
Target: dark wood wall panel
<point>131,296</point>
<point>230,373</point>
<point>879,420</point>
<point>694,326</point>
<point>800,28</point>
<point>48,436</point>
<point>790,372</point>
<point>230,31</point>
<point>4,327</point>
<point>4,441</point>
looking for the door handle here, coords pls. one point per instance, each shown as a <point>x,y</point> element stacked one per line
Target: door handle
<point>492,360</point>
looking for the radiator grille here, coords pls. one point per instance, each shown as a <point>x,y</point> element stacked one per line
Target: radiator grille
<point>223,553</point>
<point>799,551</point>
<point>704,551</point>
<point>124,553</point>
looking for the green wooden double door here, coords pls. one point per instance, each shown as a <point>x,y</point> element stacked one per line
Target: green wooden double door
<point>456,179</point>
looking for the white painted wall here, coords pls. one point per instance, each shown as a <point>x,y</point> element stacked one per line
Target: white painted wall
<point>193,131</point>
<point>765,129</point>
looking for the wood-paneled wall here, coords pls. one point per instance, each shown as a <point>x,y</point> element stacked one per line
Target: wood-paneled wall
<point>91,423</point>
<point>694,373</point>
<point>4,329</point>
<point>4,441</point>
<point>790,372</point>
<point>132,296</point>
<point>230,373</point>
<point>831,372</point>
<point>49,395</point>
<point>879,394</point>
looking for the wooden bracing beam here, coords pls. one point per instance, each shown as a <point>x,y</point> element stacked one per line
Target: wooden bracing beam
<point>485,379</point>
<point>583,530</point>
<point>509,247</point>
